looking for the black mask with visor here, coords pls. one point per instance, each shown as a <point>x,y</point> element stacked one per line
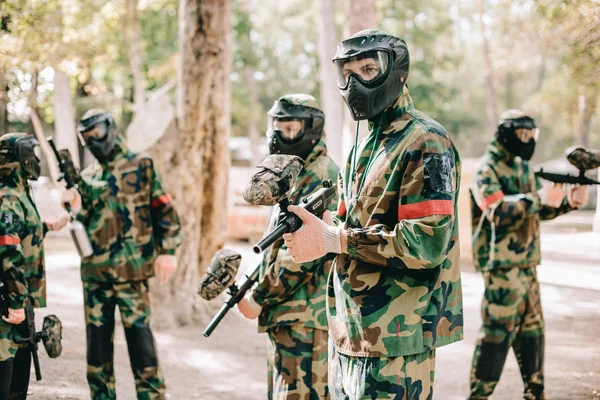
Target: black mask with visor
<point>294,129</point>
<point>518,136</point>
<point>27,152</point>
<point>99,134</point>
<point>372,67</point>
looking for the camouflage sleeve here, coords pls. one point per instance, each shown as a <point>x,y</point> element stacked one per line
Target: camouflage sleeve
<point>505,211</point>
<point>12,227</point>
<point>282,276</point>
<point>339,216</point>
<point>547,212</point>
<point>87,200</point>
<point>424,186</point>
<point>165,221</point>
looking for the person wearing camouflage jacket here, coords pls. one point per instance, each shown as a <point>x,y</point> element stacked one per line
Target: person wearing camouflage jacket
<point>506,211</point>
<point>291,296</point>
<point>134,231</point>
<point>394,292</point>
<point>22,254</point>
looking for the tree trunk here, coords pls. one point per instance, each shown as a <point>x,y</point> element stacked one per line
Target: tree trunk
<point>331,101</point>
<point>196,169</point>
<point>492,111</point>
<point>253,130</point>
<point>359,15</point>
<point>32,100</point>
<point>64,124</point>
<point>588,101</point>
<point>133,40</point>
<point>3,104</point>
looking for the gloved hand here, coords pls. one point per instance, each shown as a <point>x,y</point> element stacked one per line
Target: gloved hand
<point>164,266</point>
<point>15,317</point>
<point>553,197</point>
<point>578,196</point>
<point>54,225</point>
<point>248,307</point>
<point>314,239</point>
<point>72,197</point>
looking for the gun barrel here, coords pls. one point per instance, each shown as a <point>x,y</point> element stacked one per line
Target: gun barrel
<point>217,319</point>
<point>271,238</point>
<point>36,365</point>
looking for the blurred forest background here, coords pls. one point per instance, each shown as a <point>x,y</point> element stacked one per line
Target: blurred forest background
<point>199,77</point>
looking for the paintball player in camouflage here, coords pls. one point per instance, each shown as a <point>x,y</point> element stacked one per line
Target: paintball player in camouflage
<point>134,231</point>
<point>506,212</point>
<point>394,292</point>
<point>289,298</point>
<point>22,255</point>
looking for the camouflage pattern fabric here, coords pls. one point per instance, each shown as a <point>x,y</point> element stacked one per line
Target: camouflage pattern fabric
<point>398,291</point>
<point>21,247</point>
<point>132,298</point>
<point>400,378</point>
<point>583,158</point>
<point>52,328</point>
<point>220,273</point>
<point>276,175</point>
<point>293,293</point>
<point>512,317</point>
<point>297,363</point>
<point>506,211</point>
<point>128,216</point>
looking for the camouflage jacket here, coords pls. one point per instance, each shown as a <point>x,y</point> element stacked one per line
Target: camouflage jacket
<point>128,216</point>
<point>295,293</point>
<point>21,247</point>
<point>398,290</point>
<point>504,189</point>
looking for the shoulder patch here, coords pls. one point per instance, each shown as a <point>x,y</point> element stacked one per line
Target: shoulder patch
<point>438,171</point>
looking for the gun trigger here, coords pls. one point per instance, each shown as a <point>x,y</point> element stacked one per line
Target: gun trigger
<point>305,201</point>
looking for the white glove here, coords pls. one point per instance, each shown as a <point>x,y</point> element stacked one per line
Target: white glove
<point>314,239</point>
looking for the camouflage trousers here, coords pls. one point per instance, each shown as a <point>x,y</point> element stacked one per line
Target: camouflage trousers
<point>512,317</point>
<point>297,363</point>
<point>15,365</point>
<point>399,378</point>
<point>133,301</point>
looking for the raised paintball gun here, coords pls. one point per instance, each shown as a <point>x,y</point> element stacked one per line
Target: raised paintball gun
<point>270,186</point>
<point>68,173</point>
<point>220,275</point>
<point>50,335</point>
<point>583,160</point>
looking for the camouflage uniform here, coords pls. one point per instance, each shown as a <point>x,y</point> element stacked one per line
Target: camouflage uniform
<point>396,295</point>
<point>129,219</point>
<point>293,300</point>
<point>23,273</point>
<point>506,211</point>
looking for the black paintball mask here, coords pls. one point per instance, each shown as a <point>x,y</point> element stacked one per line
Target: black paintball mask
<point>25,150</point>
<point>99,133</point>
<point>372,67</point>
<point>294,129</point>
<point>518,135</point>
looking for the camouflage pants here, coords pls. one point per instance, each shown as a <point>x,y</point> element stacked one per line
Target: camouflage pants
<point>399,378</point>
<point>512,317</point>
<point>15,365</point>
<point>132,298</point>
<point>297,363</point>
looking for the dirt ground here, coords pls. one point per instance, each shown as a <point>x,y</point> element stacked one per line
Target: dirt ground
<point>231,363</point>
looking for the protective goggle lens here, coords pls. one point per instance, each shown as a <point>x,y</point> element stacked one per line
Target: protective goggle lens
<point>98,132</point>
<point>367,67</point>
<point>290,128</point>
<point>525,135</point>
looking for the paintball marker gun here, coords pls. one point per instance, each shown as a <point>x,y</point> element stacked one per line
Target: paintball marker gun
<point>583,160</point>
<point>50,335</point>
<point>68,173</point>
<point>219,276</point>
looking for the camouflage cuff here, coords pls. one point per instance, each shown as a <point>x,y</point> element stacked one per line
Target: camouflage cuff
<point>17,302</point>
<point>352,238</point>
<point>170,252</point>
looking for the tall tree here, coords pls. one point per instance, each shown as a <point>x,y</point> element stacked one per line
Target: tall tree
<point>197,166</point>
<point>331,101</point>
<point>133,40</point>
<point>492,111</point>
<point>64,116</point>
